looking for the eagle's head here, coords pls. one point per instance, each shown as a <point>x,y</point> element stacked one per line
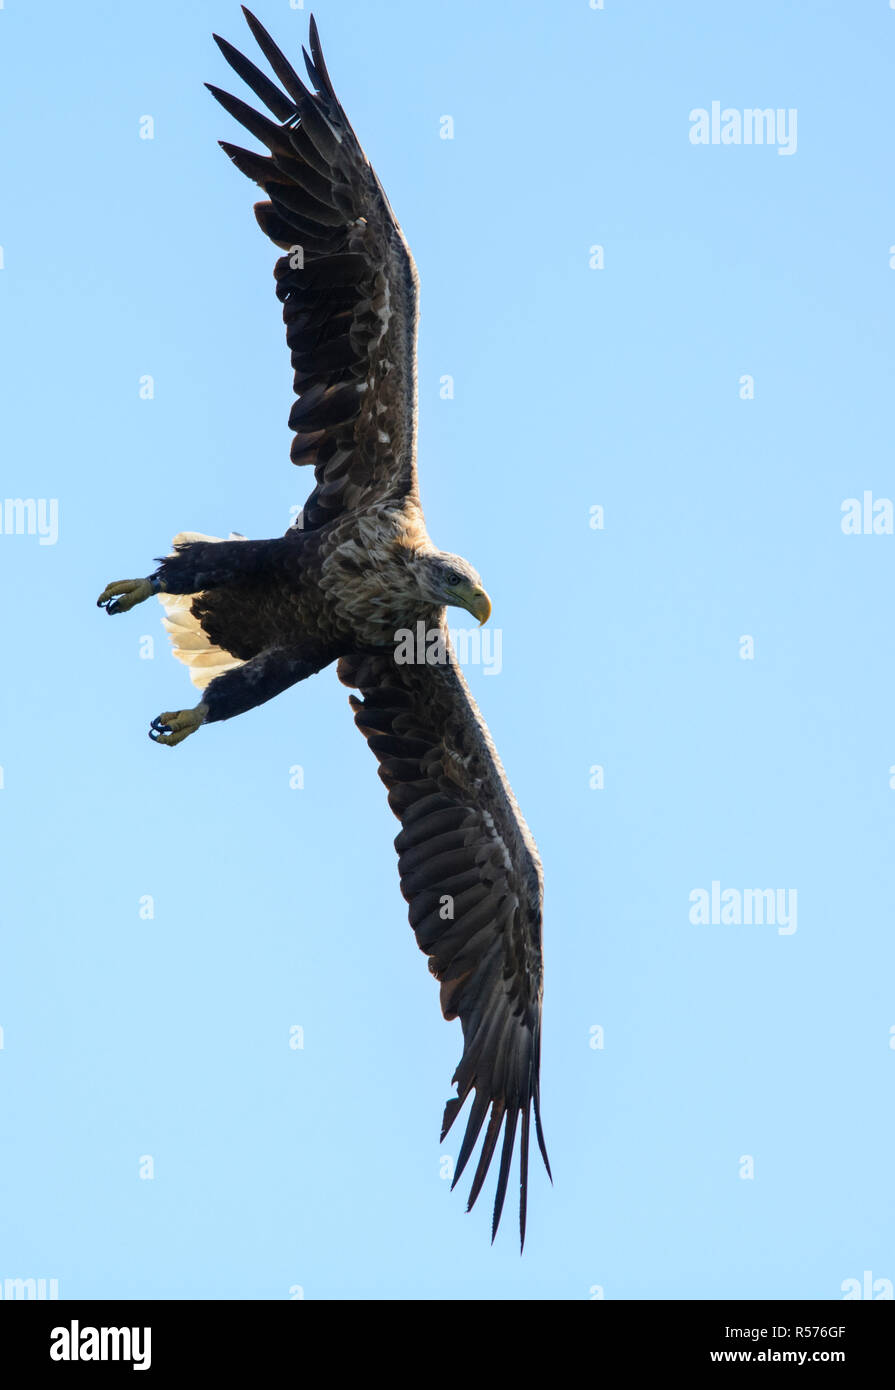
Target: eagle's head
<point>449,579</point>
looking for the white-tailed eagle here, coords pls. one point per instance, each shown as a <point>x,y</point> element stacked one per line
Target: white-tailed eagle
<point>253,617</point>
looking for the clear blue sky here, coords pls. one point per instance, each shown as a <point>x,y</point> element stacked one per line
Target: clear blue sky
<point>574,388</point>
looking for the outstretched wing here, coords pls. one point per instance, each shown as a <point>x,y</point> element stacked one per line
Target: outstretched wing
<point>471,874</point>
<point>348,284</point>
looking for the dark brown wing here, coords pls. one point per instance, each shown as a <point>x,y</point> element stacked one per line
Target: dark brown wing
<point>471,874</point>
<point>348,284</point>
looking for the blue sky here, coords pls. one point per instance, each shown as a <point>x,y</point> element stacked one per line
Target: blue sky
<point>727,1048</point>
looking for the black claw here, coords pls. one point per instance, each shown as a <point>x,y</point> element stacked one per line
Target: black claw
<point>112,607</point>
<point>159,726</point>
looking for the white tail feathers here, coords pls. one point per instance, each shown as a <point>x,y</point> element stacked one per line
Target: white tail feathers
<point>191,644</point>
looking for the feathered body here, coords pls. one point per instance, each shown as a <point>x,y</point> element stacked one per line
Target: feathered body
<point>348,585</point>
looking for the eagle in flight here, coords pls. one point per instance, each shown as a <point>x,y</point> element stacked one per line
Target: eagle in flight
<point>252,617</point>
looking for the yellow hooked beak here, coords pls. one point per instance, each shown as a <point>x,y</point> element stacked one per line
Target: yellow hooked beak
<point>475,601</point>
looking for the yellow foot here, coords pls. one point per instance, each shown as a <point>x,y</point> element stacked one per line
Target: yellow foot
<point>174,727</point>
<point>124,595</point>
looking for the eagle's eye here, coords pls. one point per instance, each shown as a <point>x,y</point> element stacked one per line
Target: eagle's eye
<point>452,578</point>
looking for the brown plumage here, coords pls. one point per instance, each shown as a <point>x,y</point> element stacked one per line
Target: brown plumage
<point>252,618</point>
<point>463,835</point>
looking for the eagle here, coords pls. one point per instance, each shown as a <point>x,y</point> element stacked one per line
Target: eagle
<point>350,579</point>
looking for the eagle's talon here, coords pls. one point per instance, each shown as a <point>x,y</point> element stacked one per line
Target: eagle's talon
<point>174,726</point>
<point>124,594</point>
